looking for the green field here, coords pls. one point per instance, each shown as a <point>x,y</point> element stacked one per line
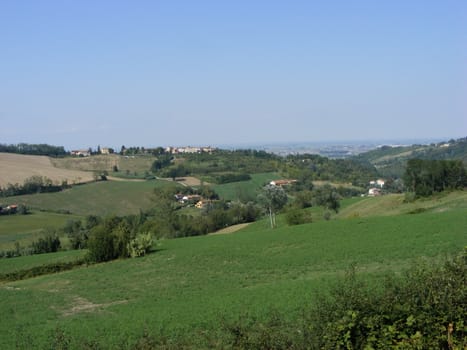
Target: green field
<point>97,198</point>
<point>27,262</point>
<point>183,290</point>
<point>24,228</point>
<point>234,190</point>
<point>394,204</point>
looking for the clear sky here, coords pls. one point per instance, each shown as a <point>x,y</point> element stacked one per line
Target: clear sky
<point>148,73</point>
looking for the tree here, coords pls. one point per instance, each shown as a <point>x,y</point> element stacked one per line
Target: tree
<point>273,198</point>
<point>327,197</point>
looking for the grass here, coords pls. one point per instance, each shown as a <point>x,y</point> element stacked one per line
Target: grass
<point>394,204</point>
<point>187,286</point>
<point>24,228</point>
<point>27,262</point>
<point>244,189</point>
<point>98,198</point>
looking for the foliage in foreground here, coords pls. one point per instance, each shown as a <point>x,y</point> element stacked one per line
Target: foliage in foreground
<point>425,309</point>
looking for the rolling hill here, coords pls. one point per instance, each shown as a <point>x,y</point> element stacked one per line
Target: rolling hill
<point>187,288</point>
<point>390,160</point>
<point>15,168</point>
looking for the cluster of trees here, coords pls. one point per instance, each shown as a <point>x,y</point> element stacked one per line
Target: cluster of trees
<point>48,242</point>
<point>166,220</point>
<point>357,172</point>
<point>33,184</point>
<point>211,166</point>
<point>425,177</point>
<point>34,149</point>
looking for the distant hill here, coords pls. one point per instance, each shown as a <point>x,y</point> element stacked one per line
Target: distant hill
<point>390,160</point>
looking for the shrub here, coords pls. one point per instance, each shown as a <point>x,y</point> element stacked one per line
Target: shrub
<point>425,309</point>
<point>297,217</point>
<point>140,245</point>
<point>48,244</point>
<point>101,245</point>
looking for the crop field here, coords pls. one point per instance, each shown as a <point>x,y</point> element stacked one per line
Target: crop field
<point>24,228</point>
<point>245,189</point>
<point>98,198</point>
<point>15,168</point>
<point>188,286</point>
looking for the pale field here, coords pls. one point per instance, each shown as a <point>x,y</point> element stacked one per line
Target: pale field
<point>15,168</point>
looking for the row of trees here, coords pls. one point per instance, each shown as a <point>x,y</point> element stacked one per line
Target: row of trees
<point>33,184</point>
<point>34,149</point>
<point>425,177</point>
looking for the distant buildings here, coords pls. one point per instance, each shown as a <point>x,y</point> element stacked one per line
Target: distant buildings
<point>189,149</point>
<point>81,153</point>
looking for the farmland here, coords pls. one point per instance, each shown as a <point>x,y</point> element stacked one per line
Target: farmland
<point>25,228</point>
<point>184,289</point>
<point>97,198</point>
<point>127,165</point>
<point>16,168</point>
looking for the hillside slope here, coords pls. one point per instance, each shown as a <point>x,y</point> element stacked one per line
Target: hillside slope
<point>390,161</point>
<point>186,288</point>
<point>15,168</point>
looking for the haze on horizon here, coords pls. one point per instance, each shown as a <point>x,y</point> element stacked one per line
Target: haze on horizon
<point>83,73</point>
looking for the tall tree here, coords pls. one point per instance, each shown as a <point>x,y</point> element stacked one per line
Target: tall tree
<point>273,198</point>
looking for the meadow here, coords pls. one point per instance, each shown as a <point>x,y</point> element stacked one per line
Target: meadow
<point>188,287</point>
<point>23,229</point>
<point>245,189</point>
<point>98,198</point>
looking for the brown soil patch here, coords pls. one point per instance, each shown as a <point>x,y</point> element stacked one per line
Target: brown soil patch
<point>113,178</point>
<point>230,229</point>
<point>190,181</point>
<point>15,168</point>
<point>83,305</point>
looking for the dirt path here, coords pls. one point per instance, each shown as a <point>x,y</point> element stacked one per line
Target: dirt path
<point>113,178</point>
<point>230,229</point>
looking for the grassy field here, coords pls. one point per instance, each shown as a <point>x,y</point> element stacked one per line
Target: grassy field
<point>15,168</point>
<point>394,205</point>
<point>27,262</point>
<point>187,286</point>
<point>97,198</point>
<point>25,228</point>
<point>236,190</point>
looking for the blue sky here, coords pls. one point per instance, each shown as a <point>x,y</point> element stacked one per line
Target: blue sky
<point>148,73</point>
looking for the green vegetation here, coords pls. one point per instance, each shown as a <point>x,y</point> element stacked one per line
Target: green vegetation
<point>33,184</point>
<point>180,294</point>
<point>100,198</point>
<point>391,161</point>
<point>24,229</point>
<point>245,190</point>
<point>425,177</point>
<point>34,149</point>
<point>256,288</point>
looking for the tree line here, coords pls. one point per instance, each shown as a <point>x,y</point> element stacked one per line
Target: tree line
<point>425,177</point>
<point>34,149</point>
<point>33,184</point>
